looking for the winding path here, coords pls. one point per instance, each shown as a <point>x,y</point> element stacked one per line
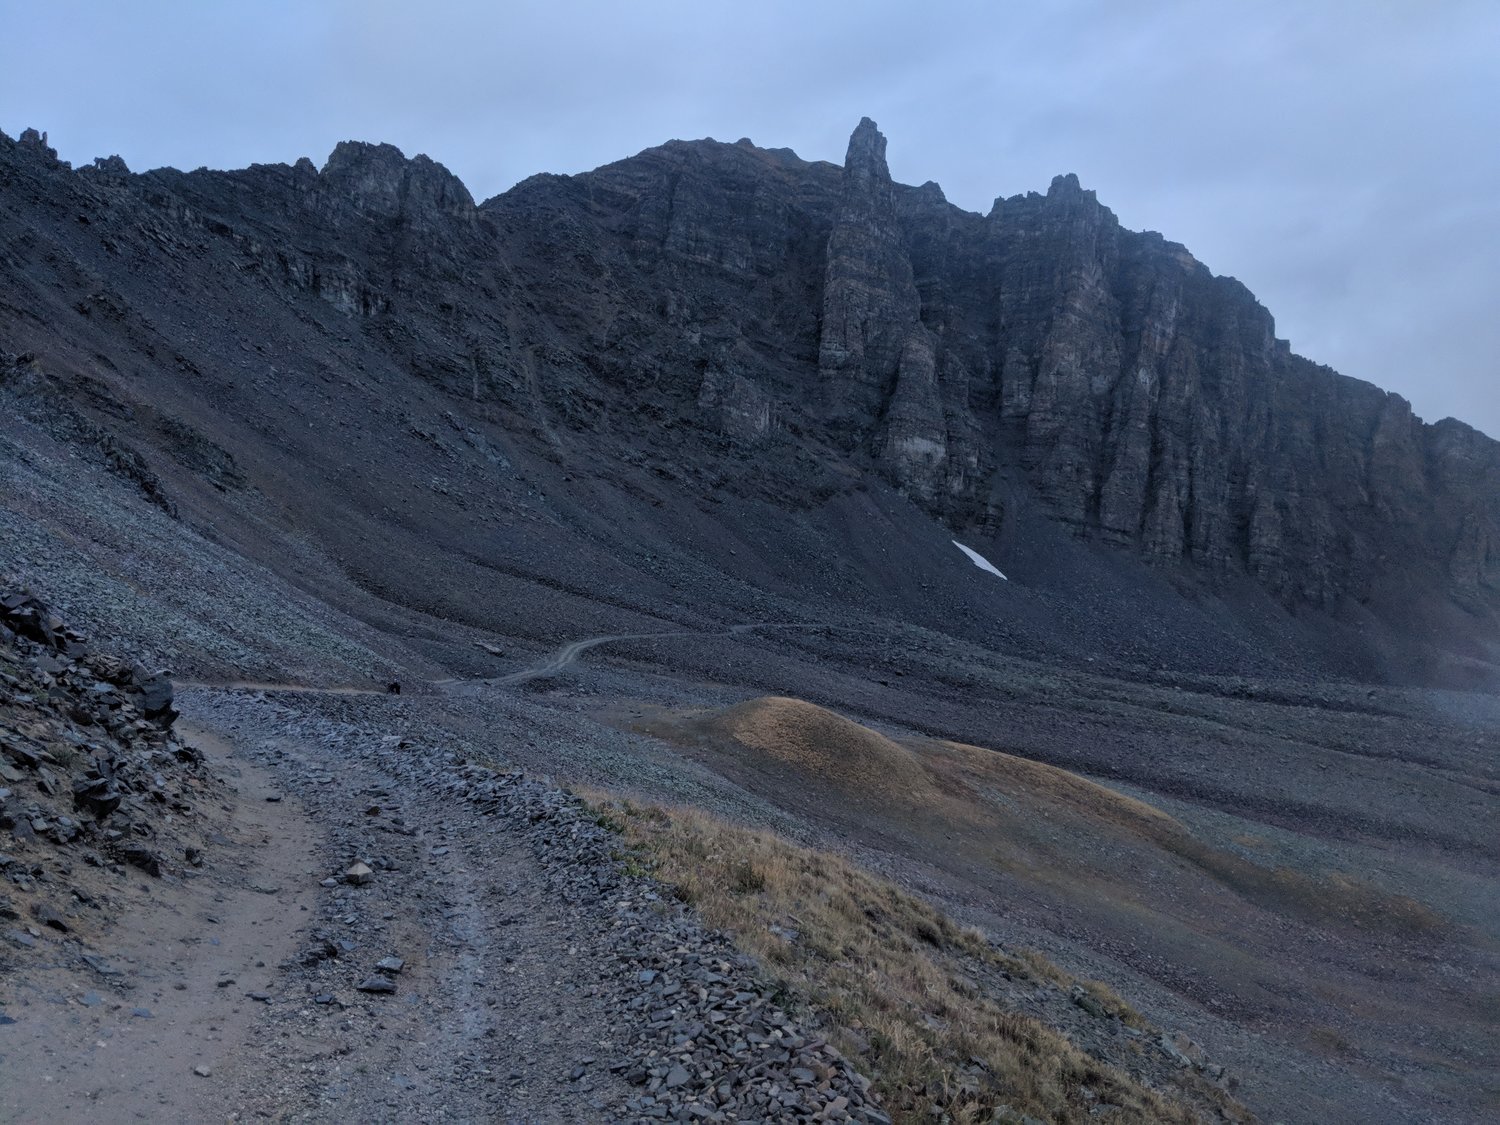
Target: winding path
<point>571,651</point>
<point>568,654</point>
<point>551,666</point>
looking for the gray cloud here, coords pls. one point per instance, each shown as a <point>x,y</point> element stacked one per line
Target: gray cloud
<point>1339,158</point>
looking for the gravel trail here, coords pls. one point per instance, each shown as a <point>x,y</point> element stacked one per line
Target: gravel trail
<point>532,980</point>
<point>570,652</point>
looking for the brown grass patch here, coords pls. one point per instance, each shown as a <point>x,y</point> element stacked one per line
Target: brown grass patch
<point>823,745</point>
<point>1040,783</point>
<point>893,977</point>
<point>932,785</point>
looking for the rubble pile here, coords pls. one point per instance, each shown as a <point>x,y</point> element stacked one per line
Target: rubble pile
<point>91,769</point>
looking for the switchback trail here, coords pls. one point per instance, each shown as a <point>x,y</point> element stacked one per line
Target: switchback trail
<point>571,651</point>
<point>557,662</point>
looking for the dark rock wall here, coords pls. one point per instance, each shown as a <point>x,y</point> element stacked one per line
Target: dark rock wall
<point>710,297</point>
<point>1147,401</point>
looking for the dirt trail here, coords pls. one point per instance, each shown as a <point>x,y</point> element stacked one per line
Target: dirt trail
<point>553,664</point>
<point>235,988</point>
<point>570,652</point>
<point>495,1007</point>
<point>122,1044</point>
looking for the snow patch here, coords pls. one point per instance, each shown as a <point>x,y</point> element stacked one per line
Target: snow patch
<point>979,560</point>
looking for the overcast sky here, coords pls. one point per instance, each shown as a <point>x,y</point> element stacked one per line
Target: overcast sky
<point>1340,158</point>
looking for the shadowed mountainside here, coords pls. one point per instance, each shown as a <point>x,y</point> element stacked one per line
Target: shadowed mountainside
<point>732,354</point>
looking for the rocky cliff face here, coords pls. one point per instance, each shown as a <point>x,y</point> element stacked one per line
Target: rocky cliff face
<point>1145,400</point>
<point>733,317</point>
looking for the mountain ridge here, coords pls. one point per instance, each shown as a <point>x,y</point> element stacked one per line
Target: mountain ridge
<point>798,324</point>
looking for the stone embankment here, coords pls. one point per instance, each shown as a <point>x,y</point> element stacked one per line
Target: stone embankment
<point>90,767</point>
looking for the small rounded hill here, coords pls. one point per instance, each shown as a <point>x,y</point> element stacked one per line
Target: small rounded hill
<point>824,746</point>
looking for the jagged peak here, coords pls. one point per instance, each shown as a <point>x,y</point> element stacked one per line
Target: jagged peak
<point>34,143</point>
<point>382,179</point>
<point>865,157</point>
<point>932,192</point>
<point>107,167</point>
<point>357,154</point>
<point>31,138</point>
<point>1066,186</point>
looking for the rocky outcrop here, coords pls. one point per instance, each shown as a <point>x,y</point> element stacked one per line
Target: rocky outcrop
<point>870,302</point>
<point>1148,401</point>
<point>378,181</point>
<point>735,405</point>
<point>877,362</point>
<point>89,762</point>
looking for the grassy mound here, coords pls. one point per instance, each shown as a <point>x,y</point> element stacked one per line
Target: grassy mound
<point>1041,785</point>
<point>822,745</point>
<point>989,797</point>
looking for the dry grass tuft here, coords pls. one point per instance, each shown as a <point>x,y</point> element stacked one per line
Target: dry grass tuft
<point>893,977</point>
